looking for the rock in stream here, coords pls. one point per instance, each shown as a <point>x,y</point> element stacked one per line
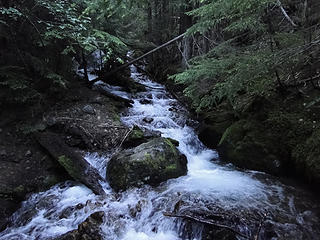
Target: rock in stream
<point>150,163</point>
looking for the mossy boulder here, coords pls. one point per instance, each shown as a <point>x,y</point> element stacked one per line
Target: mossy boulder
<point>149,163</point>
<point>214,125</point>
<point>246,145</point>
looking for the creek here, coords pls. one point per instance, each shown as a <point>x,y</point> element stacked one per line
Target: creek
<point>210,188</point>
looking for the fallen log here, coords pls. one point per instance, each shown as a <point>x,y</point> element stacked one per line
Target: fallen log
<point>127,102</point>
<point>76,166</point>
<point>207,222</point>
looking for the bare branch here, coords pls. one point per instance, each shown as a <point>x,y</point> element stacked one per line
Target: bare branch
<point>285,14</point>
<point>188,217</point>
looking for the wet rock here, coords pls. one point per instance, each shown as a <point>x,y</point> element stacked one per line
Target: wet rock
<point>148,120</point>
<point>173,109</point>
<point>88,230</point>
<point>126,102</point>
<point>149,96</point>
<point>150,163</point>
<point>135,138</point>
<point>145,101</point>
<point>76,166</point>
<point>88,109</point>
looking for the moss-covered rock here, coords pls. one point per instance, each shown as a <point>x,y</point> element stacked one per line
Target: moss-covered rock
<point>244,144</point>
<point>215,124</point>
<point>307,158</point>
<point>150,163</point>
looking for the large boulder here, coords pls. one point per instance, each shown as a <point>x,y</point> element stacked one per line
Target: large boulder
<point>247,145</point>
<point>150,163</point>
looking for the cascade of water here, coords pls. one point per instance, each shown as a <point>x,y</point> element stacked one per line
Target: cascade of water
<point>138,213</point>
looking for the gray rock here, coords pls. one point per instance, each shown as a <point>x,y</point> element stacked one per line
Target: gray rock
<point>88,109</point>
<point>145,101</point>
<point>148,119</point>
<point>150,163</point>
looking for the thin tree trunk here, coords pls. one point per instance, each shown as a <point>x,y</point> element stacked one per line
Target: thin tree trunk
<point>85,67</point>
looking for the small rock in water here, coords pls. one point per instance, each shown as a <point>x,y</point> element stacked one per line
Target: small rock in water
<point>149,96</point>
<point>28,154</point>
<point>145,101</point>
<point>148,119</point>
<point>89,110</point>
<point>173,109</point>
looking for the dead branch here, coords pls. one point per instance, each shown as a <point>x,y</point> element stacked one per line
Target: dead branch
<point>260,225</point>
<point>125,137</point>
<point>285,14</point>
<point>188,217</point>
<point>304,81</point>
<point>141,57</point>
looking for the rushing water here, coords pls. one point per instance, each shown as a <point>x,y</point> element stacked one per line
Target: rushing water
<point>209,187</point>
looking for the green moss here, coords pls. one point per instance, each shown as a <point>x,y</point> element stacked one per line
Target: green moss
<point>171,167</point>
<point>235,132</point>
<point>116,117</point>
<point>149,161</point>
<point>69,166</point>
<point>50,180</point>
<point>172,146</point>
<point>20,189</point>
<point>137,133</point>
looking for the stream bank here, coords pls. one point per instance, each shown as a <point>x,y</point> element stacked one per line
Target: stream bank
<point>277,135</point>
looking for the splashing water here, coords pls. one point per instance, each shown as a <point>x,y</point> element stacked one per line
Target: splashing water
<point>138,213</point>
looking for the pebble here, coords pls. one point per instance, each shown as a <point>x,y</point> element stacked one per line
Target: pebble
<point>148,119</point>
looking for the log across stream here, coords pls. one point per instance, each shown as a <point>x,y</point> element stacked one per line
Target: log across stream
<point>211,193</point>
